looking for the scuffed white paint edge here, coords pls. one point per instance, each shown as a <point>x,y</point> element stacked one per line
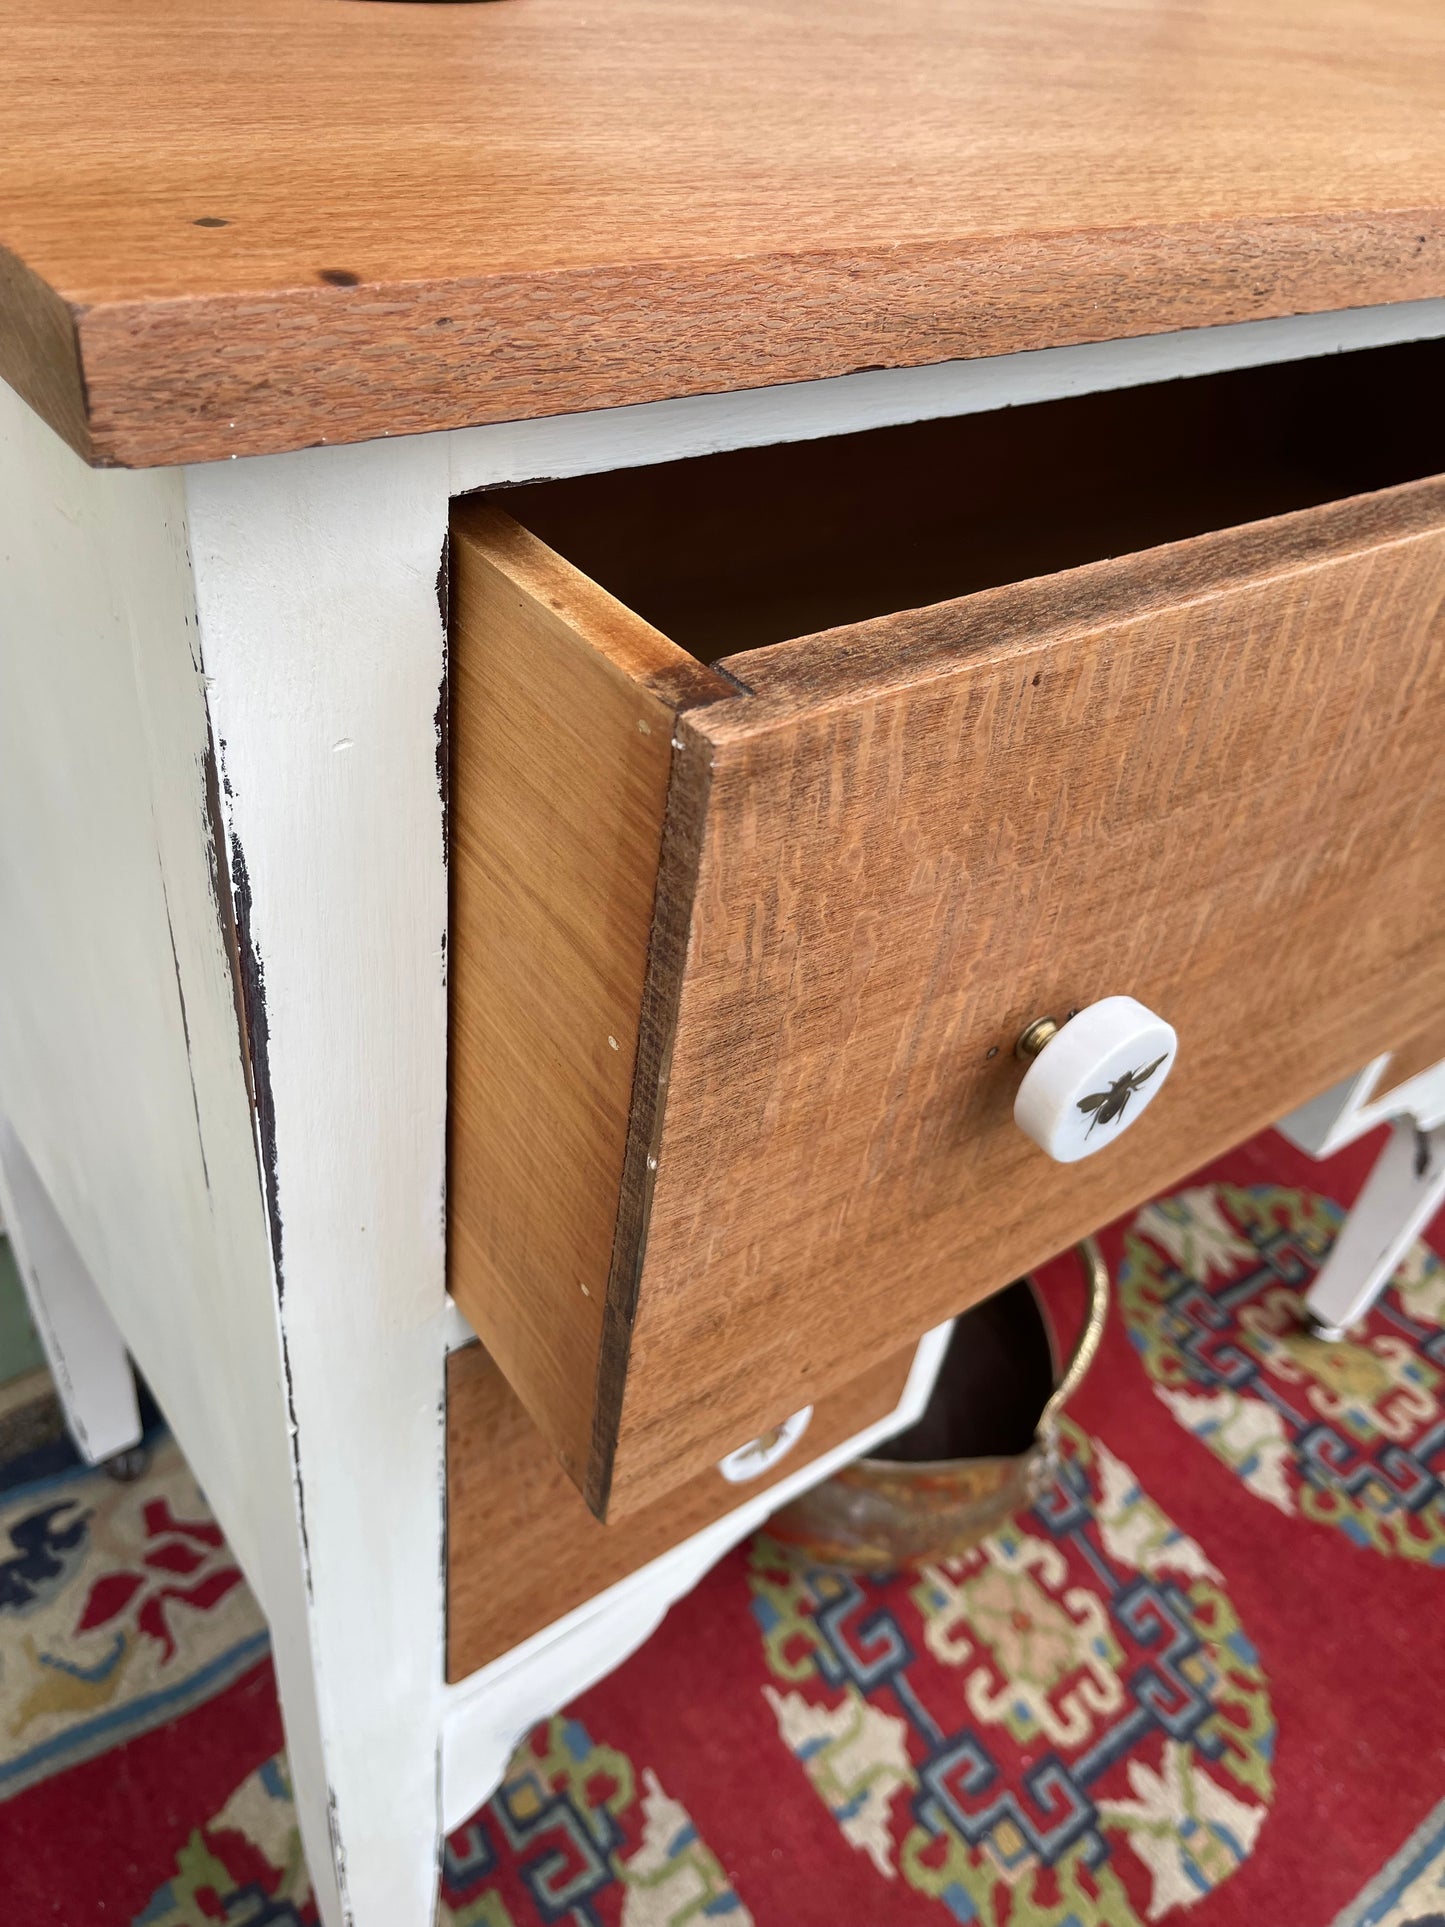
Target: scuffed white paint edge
<point>120,1065</point>
<point>488,1713</point>
<point>323,650</point>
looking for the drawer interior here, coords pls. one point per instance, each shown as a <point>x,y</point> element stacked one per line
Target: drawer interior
<point>730,552</point>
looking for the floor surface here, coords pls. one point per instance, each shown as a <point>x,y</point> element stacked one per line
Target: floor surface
<point>1200,1680</point>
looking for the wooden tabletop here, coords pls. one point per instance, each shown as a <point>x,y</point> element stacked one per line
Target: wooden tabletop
<point>231,228</point>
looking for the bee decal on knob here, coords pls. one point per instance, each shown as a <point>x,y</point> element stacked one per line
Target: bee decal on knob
<point>1108,1106</point>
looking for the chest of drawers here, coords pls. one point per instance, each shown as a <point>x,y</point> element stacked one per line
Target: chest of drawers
<point>596,618</point>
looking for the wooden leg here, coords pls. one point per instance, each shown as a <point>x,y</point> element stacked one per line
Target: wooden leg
<point>1403,1192</point>
<point>85,1352</point>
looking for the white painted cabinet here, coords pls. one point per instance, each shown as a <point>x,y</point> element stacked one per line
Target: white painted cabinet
<point>223,1025</point>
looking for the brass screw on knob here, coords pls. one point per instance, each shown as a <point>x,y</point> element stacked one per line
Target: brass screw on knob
<point>1032,1040</point>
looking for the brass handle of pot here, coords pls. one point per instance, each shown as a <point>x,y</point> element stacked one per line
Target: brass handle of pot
<point>1096,1280</point>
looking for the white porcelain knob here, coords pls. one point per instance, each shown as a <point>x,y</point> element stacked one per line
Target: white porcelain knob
<point>759,1455</point>
<point>1096,1075</point>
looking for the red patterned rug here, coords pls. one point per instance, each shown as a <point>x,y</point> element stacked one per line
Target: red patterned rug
<point>1201,1680</point>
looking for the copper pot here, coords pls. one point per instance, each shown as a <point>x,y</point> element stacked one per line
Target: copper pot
<point>878,1514</point>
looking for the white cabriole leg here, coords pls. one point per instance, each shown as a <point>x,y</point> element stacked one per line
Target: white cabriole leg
<point>123,1065</point>
<point>85,1351</point>
<point>207,983</point>
<point>1402,1194</point>
<point>323,647</point>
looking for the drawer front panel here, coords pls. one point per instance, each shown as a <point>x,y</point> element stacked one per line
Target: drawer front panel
<point>1207,776</point>
<point>506,1488</point>
<point>1210,778</point>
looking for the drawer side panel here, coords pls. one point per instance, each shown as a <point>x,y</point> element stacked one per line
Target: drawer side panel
<point>561,752</point>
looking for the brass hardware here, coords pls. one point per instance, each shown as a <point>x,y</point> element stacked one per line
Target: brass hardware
<point>878,1513</point>
<point>1032,1040</point>
<point>1096,1281</point>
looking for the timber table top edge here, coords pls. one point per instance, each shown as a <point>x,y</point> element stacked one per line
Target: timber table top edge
<point>304,222</point>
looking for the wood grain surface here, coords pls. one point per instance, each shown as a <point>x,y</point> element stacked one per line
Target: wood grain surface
<point>562,707</point>
<point>505,1489</point>
<point>1203,773</point>
<point>236,230</point>
<point>1208,776</point>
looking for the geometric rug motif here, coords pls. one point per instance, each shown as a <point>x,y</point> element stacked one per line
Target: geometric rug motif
<point>1070,1726</point>
<point>586,1840</point>
<point>573,1831</point>
<point>120,1607</point>
<point>1067,1726</point>
<point>244,1866</point>
<point>1349,1434</point>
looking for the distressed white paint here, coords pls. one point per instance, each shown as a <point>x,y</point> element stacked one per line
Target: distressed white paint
<point>1400,1197</point>
<point>120,1068</point>
<point>489,1713</point>
<point>320,627</point>
<point>120,1060</point>
<point>302,628</point>
<point>84,1350</point>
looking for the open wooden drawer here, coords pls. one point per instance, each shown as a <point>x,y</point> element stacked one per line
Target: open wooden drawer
<point>745,928</point>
